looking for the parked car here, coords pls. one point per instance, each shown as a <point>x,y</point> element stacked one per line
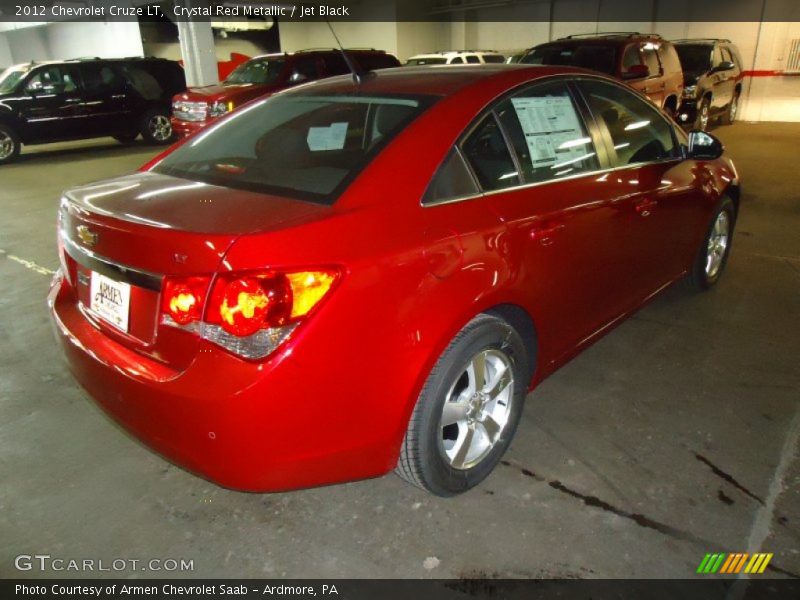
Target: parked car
<point>77,99</point>
<point>427,246</point>
<point>264,75</point>
<point>712,71</point>
<point>646,62</point>
<point>456,57</point>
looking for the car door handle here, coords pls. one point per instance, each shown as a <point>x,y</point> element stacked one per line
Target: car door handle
<point>72,100</point>
<point>645,207</point>
<point>544,232</point>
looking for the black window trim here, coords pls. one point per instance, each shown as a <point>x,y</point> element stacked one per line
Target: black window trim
<point>603,155</point>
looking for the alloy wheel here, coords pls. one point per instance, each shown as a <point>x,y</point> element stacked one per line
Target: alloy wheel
<point>6,145</point>
<point>160,128</point>
<point>704,116</point>
<point>734,108</point>
<point>717,244</point>
<point>476,409</point>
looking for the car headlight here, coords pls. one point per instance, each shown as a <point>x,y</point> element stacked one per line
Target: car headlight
<point>690,91</point>
<point>219,108</point>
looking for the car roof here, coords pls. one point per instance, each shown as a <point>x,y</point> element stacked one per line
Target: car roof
<point>436,80</point>
<point>604,39</point>
<point>451,53</point>
<point>313,51</point>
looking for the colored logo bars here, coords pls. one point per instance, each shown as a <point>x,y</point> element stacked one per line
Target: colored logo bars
<point>733,563</point>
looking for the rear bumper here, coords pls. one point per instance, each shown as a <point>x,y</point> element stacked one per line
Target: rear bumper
<point>243,425</point>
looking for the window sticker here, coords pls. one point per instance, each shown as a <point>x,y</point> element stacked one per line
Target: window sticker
<point>553,131</point>
<point>331,137</point>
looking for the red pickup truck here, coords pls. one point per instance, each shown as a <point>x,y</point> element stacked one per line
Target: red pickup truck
<point>264,75</point>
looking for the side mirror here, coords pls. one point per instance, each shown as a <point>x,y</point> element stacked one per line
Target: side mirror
<point>725,65</point>
<point>704,146</point>
<point>636,72</point>
<point>297,77</point>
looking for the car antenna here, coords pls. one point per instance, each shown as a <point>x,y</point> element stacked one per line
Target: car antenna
<point>358,75</point>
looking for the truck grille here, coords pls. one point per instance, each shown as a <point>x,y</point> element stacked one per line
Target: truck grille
<point>190,111</point>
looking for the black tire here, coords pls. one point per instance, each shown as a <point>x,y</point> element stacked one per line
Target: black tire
<point>126,138</point>
<point>423,460</point>
<point>703,114</point>
<point>700,278</point>
<point>155,127</point>
<point>733,109</point>
<point>10,144</point>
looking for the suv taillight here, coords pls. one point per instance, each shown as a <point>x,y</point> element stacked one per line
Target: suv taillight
<point>249,314</point>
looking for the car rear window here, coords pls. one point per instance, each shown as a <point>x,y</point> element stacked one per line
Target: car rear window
<point>259,70</point>
<point>307,146</point>
<point>597,57</point>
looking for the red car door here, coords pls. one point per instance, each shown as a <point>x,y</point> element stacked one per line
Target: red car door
<point>539,168</point>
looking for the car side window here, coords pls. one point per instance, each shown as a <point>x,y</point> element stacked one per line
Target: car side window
<point>101,79</point>
<point>487,153</point>
<point>452,180</point>
<point>631,57</point>
<point>637,130</point>
<point>717,56</point>
<point>53,79</point>
<point>473,60</point>
<point>457,60</point>
<point>335,64</point>
<point>726,55</point>
<point>547,133</point>
<point>651,60</point>
<point>305,69</point>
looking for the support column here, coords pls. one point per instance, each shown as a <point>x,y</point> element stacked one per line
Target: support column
<point>199,56</point>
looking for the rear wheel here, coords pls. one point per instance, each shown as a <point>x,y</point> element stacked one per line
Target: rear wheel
<point>9,144</point>
<point>468,410</point>
<point>713,253</point>
<point>155,127</point>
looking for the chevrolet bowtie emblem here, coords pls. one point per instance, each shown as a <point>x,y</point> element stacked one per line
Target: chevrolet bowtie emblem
<point>87,236</point>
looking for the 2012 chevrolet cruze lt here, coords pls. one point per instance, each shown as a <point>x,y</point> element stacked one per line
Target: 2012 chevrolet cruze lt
<point>349,278</point>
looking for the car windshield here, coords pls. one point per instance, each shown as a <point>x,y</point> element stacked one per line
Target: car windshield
<point>436,60</point>
<point>301,146</point>
<point>597,57</point>
<point>260,70</point>
<point>10,78</point>
<point>694,57</point>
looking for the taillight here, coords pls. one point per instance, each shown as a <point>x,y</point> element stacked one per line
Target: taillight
<point>250,314</point>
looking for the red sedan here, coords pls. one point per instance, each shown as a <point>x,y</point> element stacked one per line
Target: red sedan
<point>350,278</point>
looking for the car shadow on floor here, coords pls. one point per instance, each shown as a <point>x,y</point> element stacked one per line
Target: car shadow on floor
<point>85,150</point>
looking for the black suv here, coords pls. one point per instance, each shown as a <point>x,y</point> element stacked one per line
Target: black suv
<point>85,98</point>
<point>712,71</point>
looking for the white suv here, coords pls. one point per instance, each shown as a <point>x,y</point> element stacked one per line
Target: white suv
<point>462,57</point>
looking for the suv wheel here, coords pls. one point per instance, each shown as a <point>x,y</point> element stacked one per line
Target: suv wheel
<point>703,114</point>
<point>156,127</point>
<point>468,410</point>
<point>9,144</point>
<point>733,108</point>
<point>713,253</point>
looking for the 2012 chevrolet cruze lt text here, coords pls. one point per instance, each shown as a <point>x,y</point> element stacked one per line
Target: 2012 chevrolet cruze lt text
<point>358,276</point>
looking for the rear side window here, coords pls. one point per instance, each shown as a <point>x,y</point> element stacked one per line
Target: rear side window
<point>452,180</point>
<point>142,82</point>
<point>547,133</point>
<point>301,146</point>
<point>631,57</point>
<point>335,64</point>
<point>304,69</point>
<point>457,60</point>
<point>494,58</point>
<point>473,60</point>
<point>101,79</point>
<point>487,153</point>
<point>638,131</point>
<point>669,58</point>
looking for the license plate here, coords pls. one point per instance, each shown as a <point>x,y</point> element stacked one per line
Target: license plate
<point>111,300</point>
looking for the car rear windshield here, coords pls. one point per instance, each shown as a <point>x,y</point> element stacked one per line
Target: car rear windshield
<point>694,57</point>
<point>301,146</point>
<point>10,78</point>
<point>597,57</point>
<point>438,60</point>
<point>259,70</point>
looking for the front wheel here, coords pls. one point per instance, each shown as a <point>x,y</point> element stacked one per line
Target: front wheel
<point>733,109</point>
<point>9,144</point>
<point>703,114</point>
<point>155,127</point>
<point>468,409</point>
<point>713,253</point>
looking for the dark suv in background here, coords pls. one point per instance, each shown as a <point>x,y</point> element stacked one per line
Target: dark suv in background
<point>85,98</point>
<point>646,62</point>
<point>712,71</point>
<point>264,75</point>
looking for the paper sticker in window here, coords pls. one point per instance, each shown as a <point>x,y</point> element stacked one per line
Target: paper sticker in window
<point>553,131</point>
<point>331,137</point>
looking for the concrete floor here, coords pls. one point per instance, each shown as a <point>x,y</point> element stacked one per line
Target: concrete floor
<point>674,436</point>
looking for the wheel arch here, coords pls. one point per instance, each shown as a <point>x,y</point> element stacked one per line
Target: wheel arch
<point>523,323</point>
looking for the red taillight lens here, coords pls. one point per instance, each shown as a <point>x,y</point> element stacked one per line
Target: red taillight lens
<point>183,299</point>
<point>244,305</point>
